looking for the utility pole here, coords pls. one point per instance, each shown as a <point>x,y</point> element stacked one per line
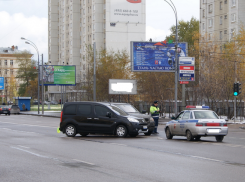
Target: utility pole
<point>94,71</point>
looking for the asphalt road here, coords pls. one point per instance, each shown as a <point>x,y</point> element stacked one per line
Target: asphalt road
<point>32,150</point>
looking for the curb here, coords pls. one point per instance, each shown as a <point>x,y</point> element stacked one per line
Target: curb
<point>40,115</point>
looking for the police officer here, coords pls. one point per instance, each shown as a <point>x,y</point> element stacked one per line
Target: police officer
<point>154,110</point>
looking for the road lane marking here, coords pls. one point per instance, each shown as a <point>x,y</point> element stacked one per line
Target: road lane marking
<point>32,153</point>
<point>84,162</point>
<point>159,138</point>
<point>21,131</point>
<point>23,146</point>
<point>29,125</point>
<point>118,144</point>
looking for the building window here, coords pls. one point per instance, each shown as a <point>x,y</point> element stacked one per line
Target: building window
<point>220,20</point>
<point>233,31</point>
<point>11,62</point>
<point>233,2</point>
<point>210,36</point>
<point>225,1</point>
<point>0,62</point>
<point>93,36</point>
<point>210,8</point>
<point>11,72</point>
<point>220,5</point>
<point>220,35</point>
<point>225,16</point>
<point>225,32</point>
<point>210,22</point>
<point>203,13</point>
<point>6,62</point>
<point>203,26</point>
<point>6,72</point>
<point>233,17</point>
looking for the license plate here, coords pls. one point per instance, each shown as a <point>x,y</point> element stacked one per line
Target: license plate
<point>144,127</point>
<point>5,112</point>
<point>213,130</point>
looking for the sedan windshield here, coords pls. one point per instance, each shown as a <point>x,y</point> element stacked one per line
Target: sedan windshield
<point>205,115</point>
<point>127,108</point>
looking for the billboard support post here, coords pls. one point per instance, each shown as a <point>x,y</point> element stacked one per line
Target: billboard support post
<point>42,88</point>
<point>94,71</point>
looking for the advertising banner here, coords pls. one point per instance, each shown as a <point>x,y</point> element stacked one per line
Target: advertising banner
<point>1,83</point>
<point>126,11</point>
<point>56,75</point>
<point>155,56</point>
<point>120,86</point>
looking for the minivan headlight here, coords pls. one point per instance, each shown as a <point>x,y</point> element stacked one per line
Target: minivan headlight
<point>133,120</point>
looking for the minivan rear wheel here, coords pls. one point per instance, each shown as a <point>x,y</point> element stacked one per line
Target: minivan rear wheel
<point>121,131</point>
<point>70,130</point>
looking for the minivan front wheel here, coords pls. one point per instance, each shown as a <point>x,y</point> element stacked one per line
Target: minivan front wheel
<point>121,131</point>
<point>70,130</point>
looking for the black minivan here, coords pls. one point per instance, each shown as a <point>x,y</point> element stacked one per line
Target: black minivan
<point>99,117</point>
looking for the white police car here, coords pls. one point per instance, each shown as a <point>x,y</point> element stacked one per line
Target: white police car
<point>195,123</point>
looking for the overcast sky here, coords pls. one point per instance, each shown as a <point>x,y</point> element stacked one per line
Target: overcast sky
<point>29,19</point>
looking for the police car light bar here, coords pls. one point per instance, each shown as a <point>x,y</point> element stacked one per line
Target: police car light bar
<point>197,107</point>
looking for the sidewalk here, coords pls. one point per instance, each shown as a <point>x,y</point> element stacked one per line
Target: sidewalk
<point>55,114</point>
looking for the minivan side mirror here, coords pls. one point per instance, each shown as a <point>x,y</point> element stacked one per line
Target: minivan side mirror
<point>108,114</point>
<point>143,112</point>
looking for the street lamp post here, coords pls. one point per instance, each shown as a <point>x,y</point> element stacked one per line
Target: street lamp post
<point>176,56</point>
<point>33,45</point>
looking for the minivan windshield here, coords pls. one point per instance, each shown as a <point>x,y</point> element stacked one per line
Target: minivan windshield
<point>127,108</point>
<point>205,115</point>
<point>117,110</point>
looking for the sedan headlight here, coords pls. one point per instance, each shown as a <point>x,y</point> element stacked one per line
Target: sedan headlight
<point>133,120</point>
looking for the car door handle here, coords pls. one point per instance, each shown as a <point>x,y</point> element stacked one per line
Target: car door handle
<point>96,118</point>
<point>89,118</point>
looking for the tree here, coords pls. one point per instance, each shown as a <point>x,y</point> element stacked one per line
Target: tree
<point>26,71</point>
<point>12,88</point>
<point>109,65</point>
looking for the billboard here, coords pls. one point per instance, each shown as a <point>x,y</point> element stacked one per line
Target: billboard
<point>120,86</point>
<point>57,75</point>
<point>155,56</point>
<point>126,11</point>
<point>1,83</point>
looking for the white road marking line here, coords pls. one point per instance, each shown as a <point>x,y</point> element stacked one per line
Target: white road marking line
<point>235,145</point>
<point>159,138</point>
<point>84,162</point>
<point>23,146</point>
<point>27,151</point>
<point>118,144</point>
<point>20,131</point>
<point>28,125</point>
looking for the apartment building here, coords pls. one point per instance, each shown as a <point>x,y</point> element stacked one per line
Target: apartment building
<point>220,20</point>
<point>8,70</point>
<point>76,24</point>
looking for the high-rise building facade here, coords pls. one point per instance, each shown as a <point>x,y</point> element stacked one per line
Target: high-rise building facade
<point>76,24</point>
<point>221,19</point>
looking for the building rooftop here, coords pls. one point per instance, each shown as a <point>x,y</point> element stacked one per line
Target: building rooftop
<point>9,50</point>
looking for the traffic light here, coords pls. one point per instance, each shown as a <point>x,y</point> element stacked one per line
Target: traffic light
<point>237,88</point>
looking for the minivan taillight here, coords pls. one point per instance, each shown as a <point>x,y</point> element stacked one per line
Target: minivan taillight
<point>61,116</point>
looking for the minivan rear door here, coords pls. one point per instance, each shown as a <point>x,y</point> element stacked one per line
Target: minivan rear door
<point>101,121</point>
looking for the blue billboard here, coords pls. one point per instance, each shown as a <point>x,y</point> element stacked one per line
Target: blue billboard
<point>155,56</point>
<point>1,83</point>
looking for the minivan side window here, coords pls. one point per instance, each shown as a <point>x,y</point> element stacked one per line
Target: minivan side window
<point>84,109</point>
<point>70,110</point>
<point>101,111</point>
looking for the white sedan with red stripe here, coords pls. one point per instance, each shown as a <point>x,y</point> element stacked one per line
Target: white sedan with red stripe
<point>195,123</point>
